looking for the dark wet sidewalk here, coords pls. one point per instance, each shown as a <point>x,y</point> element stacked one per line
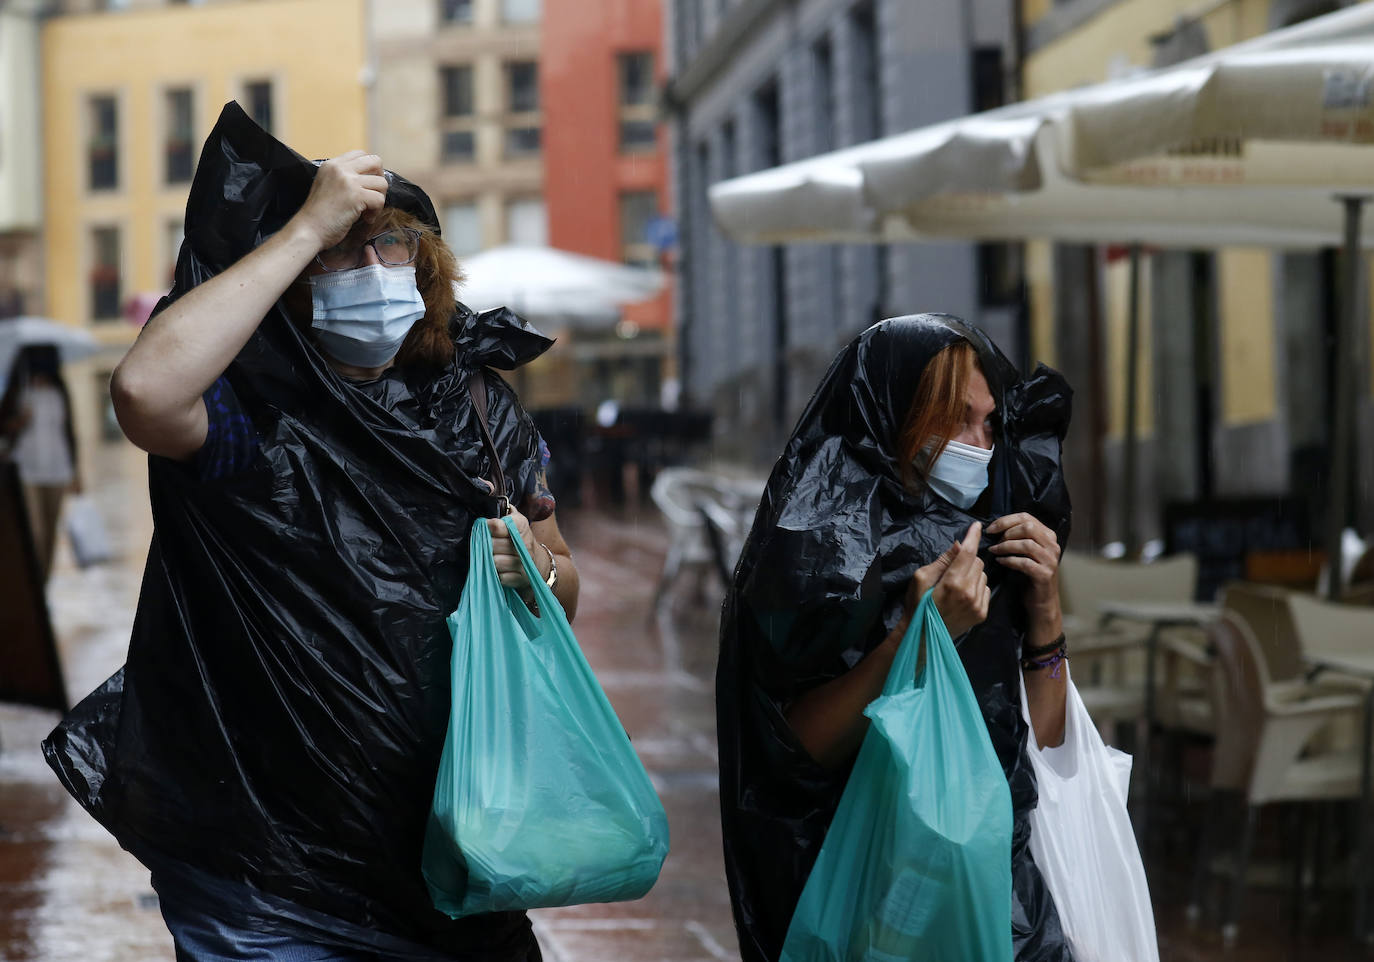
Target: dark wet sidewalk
<point>69,894</point>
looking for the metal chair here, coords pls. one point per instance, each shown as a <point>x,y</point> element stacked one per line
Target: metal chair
<point>1266,748</point>
<point>1110,658</point>
<point>708,518</point>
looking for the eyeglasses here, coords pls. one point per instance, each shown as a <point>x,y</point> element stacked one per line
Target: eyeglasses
<point>394,248</point>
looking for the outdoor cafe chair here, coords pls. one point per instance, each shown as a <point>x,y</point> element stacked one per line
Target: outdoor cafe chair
<point>1109,656</point>
<point>1266,751</point>
<point>708,517</point>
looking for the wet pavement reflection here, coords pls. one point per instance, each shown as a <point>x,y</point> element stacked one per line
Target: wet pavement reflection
<point>69,894</point>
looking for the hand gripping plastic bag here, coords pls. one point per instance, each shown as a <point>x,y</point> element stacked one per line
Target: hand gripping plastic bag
<point>1082,841</point>
<point>540,799</point>
<point>917,862</point>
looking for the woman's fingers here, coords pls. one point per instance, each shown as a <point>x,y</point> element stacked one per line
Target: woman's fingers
<point>1027,549</point>
<point>345,187</point>
<point>926,577</point>
<point>510,568</point>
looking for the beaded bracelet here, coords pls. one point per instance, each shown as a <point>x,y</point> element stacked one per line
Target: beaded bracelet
<point>1054,662</point>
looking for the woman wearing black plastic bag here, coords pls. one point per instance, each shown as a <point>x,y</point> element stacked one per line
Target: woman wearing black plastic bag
<point>923,459</point>
<point>269,749</point>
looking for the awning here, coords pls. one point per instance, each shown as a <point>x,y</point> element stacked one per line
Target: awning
<point>1245,146</point>
<point>1251,145</point>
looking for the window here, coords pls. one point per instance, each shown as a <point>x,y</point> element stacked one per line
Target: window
<point>520,11</point>
<point>103,150</point>
<point>989,86</point>
<point>463,227</point>
<point>999,263</point>
<point>522,86</point>
<point>105,286</point>
<point>457,135</point>
<point>458,146</point>
<point>522,141</point>
<point>823,90</point>
<point>455,11</point>
<point>526,222</point>
<point>999,274</point>
<point>258,93</point>
<point>867,117</point>
<point>179,150</point>
<point>523,133</point>
<point>637,209</point>
<point>637,79</point>
<point>638,121</point>
<point>768,131</point>
<point>457,85</point>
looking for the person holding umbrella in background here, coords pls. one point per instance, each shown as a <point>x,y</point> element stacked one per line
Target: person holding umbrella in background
<point>36,434</point>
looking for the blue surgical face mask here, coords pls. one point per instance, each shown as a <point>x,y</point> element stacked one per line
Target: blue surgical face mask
<point>960,473</point>
<point>364,315</point>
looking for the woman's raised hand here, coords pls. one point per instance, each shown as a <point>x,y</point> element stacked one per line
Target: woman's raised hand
<point>509,568</point>
<point>961,585</point>
<point>346,187</point>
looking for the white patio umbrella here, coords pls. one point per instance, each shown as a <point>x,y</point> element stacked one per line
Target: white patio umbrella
<point>544,283</point>
<point>72,343</point>
<point>1250,145</point>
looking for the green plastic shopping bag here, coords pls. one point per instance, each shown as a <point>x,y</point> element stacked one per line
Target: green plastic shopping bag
<point>540,800</point>
<point>917,862</point>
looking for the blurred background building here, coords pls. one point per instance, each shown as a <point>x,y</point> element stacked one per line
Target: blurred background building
<point>1236,394</point>
<point>529,126</point>
<point>455,105</point>
<point>597,126</point>
<point>607,176</point>
<point>21,151</point>
<point>129,93</point>
<point>756,83</point>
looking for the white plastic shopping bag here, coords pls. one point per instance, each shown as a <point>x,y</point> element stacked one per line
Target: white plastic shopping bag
<point>86,527</point>
<point>1082,841</point>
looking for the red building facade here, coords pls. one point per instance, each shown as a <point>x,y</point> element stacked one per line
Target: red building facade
<point>605,154</point>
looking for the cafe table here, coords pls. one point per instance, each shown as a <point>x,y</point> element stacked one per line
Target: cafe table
<point>1159,617</point>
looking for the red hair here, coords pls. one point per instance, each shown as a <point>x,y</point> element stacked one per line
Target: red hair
<point>937,410</point>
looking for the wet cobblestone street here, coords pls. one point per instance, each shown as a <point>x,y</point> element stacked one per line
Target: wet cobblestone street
<point>69,894</point>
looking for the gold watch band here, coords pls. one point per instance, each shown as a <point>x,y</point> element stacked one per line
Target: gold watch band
<point>552,579</point>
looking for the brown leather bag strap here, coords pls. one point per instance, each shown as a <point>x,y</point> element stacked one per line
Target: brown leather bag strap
<point>477,388</point>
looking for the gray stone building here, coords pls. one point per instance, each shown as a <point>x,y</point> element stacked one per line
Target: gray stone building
<point>755,83</point>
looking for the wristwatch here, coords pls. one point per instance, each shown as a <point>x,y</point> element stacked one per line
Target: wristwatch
<point>552,579</point>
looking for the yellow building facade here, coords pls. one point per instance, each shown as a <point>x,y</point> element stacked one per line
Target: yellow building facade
<point>129,97</point>
<point>1247,307</point>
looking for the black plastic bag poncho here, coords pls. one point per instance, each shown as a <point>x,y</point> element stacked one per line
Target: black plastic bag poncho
<point>279,718</point>
<point>822,579</point>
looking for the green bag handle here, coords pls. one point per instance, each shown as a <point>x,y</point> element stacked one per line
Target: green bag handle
<point>925,621</point>
<point>543,595</point>
<point>482,572</point>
